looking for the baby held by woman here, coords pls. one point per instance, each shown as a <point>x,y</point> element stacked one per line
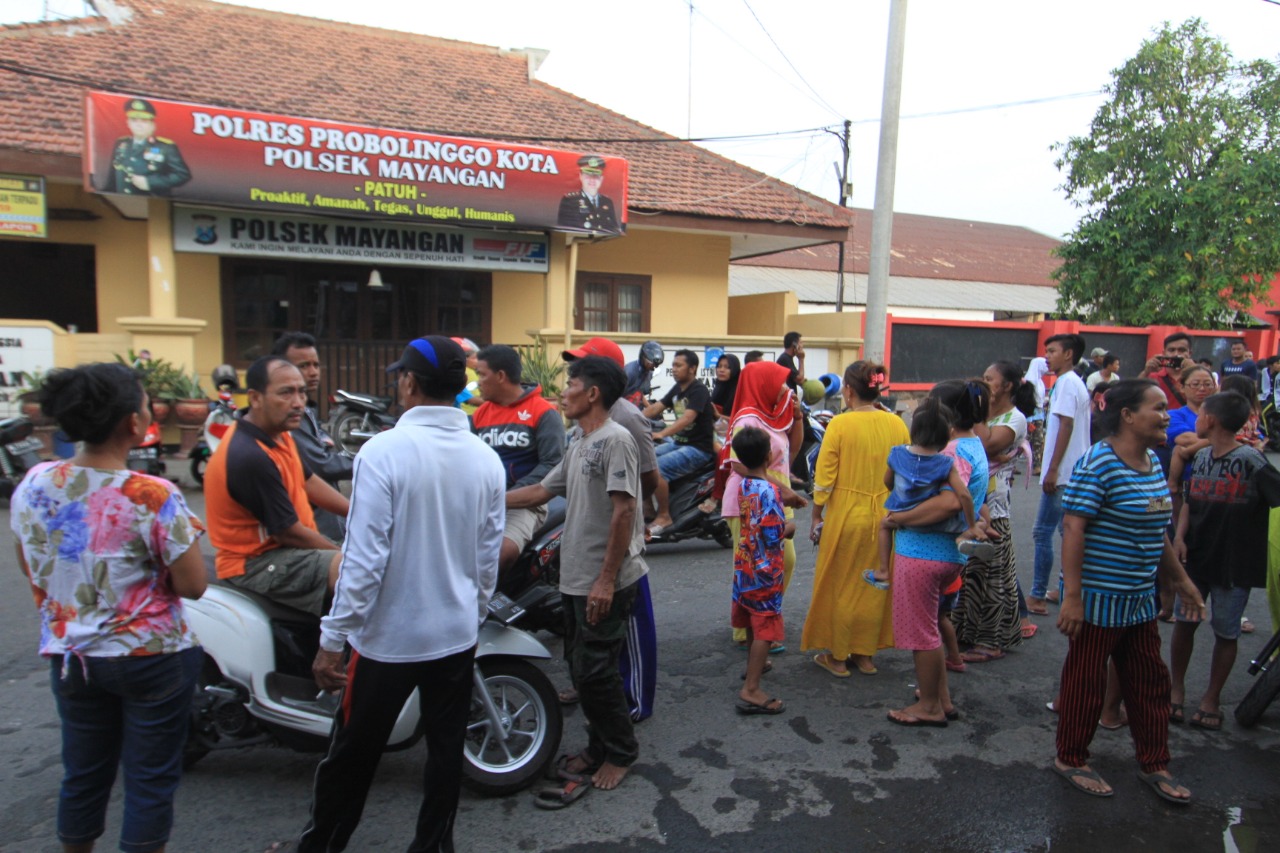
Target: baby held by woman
<point>916,473</point>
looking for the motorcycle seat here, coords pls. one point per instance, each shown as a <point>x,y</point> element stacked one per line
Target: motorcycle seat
<point>372,400</point>
<point>14,429</point>
<point>274,610</point>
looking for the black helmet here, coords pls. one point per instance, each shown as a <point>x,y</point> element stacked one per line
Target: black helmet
<point>652,352</point>
<point>225,375</point>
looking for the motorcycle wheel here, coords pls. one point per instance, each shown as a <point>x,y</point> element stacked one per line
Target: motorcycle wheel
<point>1264,691</point>
<point>722,534</point>
<point>202,727</point>
<point>527,702</point>
<point>197,468</point>
<point>343,423</point>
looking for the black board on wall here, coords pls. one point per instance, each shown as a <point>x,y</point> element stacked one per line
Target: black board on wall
<point>935,353</point>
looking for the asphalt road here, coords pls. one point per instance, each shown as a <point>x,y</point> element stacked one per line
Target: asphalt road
<point>830,774</point>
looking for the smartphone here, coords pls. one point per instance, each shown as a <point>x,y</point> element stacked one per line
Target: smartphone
<point>816,534</point>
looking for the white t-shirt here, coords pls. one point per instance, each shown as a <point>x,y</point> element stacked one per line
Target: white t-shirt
<point>1068,399</point>
<point>1096,377</point>
<point>998,497</point>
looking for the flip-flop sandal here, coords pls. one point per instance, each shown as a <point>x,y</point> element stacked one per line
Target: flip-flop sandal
<point>1071,774</point>
<point>554,797</point>
<point>954,667</point>
<point>1155,780</point>
<point>870,577</point>
<point>659,529</point>
<point>1115,728</point>
<point>569,696</point>
<point>1037,611</point>
<point>1175,713</point>
<point>821,660</point>
<point>914,722</point>
<point>870,670</point>
<point>1246,627</point>
<point>952,715</point>
<point>1029,631</point>
<point>559,769</point>
<point>1051,707</point>
<point>1210,721</point>
<point>281,847</point>
<point>749,709</point>
<point>981,655</point>
<point>777,649</point>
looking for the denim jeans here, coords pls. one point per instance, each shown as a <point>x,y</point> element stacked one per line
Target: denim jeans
<point>1048,519</point>
<point>679,460</point>
<point>129,711</point>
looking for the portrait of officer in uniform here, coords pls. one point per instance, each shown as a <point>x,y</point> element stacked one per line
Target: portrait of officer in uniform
<point>143,163</point>
<point>586,209</point>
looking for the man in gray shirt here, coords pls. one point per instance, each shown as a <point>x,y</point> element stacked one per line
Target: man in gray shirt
<point>600,563</point>
<point>638,661</point>
<point>314,444</point>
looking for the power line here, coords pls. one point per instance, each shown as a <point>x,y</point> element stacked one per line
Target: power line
<point>767,66</point>
<point>986,107</point>
<point>787,59</point>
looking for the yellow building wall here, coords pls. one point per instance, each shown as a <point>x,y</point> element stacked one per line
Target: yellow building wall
<point>762,314</point>
<point>519,304</point>
<point>120,253</point>
<point>690,275</point>
<point>200,298</point>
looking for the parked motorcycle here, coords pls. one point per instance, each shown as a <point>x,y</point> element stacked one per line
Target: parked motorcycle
<point>695,512</point>
<point>533,581</point>
<point>1267,686</point>
<point>256,687</point>
<point>222,414</point>
<point>356,418</point>
<point>146,456</point>
<point>817,428</point>
<point>19,452</point>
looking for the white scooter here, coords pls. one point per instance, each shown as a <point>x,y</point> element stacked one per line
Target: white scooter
<point>256,687</point>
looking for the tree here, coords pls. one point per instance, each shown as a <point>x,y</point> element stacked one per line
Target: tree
<point>1178,180</point>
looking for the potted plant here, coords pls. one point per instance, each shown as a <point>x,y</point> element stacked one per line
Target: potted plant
<point>158,377</point>
<point>191,404</point>
<point>539,367</point>
<point>32,382</point>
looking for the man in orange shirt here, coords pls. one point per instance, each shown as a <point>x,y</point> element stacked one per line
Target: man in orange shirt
<point>259,493</point>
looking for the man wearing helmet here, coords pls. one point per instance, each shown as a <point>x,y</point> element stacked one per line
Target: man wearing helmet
<point>640,373</point>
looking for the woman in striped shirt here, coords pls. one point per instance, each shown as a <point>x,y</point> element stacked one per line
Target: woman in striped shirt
<point>1113,549</point>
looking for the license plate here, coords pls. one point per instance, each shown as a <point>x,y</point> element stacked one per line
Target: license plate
<point>142,453</point>
<point>27,445</point>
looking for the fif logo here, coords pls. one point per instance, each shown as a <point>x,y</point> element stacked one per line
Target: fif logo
<point>206,228</point>
<point>514,249</point>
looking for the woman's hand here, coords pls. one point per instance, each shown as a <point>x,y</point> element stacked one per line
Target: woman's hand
<point>1071,615</point>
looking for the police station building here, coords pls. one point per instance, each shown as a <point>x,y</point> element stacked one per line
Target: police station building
<point>363,185</point>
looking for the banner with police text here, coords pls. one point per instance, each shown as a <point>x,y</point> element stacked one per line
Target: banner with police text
<point>214,155</point>
<point>314,238</point>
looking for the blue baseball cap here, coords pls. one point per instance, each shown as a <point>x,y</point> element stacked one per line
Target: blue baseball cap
<point>433,355</point>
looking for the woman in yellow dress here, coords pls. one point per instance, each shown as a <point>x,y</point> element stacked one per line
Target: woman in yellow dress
<point>850,620</point>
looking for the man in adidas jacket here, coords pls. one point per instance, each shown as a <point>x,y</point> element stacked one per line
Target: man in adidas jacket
<point>525,430</point>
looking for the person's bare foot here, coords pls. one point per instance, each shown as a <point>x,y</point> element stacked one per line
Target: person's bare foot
<point>609,776</point>
<point>918,710</point>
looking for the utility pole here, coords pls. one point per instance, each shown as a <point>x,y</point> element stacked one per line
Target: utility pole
<point>886,170</point>
<point>842,175</point>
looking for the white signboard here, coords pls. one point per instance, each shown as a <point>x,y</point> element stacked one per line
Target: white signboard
<point>358,241</point>
<point>23,350</point>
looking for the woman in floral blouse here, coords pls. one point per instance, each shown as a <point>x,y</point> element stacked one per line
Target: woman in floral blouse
<point>109,553</point>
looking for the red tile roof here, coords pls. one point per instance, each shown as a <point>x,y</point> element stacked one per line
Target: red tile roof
<point>205,52</point>
<point>933,247</point>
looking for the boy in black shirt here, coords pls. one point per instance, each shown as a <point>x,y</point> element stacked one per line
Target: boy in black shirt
<point>1222,539</point>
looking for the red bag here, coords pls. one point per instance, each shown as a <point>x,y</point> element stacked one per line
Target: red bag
<point>722,472</point>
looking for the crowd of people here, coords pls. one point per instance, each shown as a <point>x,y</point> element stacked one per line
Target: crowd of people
<point>1156,485</point>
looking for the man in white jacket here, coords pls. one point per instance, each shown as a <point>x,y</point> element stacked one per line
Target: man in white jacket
<point>418,568</point>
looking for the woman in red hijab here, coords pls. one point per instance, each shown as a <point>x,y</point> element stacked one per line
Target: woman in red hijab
<point>763,400</point>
